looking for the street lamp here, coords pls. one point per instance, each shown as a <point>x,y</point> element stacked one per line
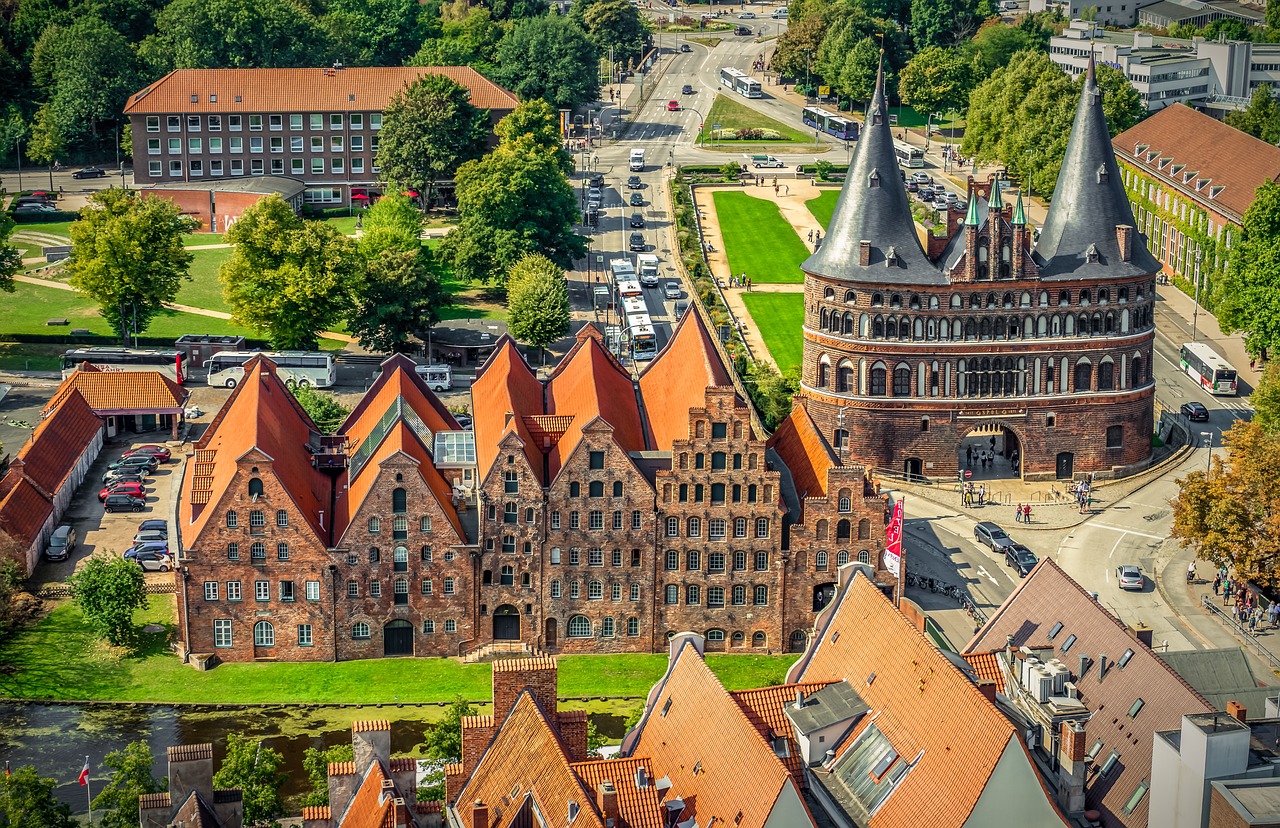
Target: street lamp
<point>1207,437</point>
<point>928,128</point>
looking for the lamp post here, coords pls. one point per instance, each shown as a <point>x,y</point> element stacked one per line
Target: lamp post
<point>928,128</point>
<point>1195,314</point>
<point>1207,437</point>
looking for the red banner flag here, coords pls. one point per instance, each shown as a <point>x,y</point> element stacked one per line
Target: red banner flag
<point>84,773</point>
<point>893,540</point>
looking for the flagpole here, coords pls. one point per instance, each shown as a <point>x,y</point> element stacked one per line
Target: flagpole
<point>88,792</point>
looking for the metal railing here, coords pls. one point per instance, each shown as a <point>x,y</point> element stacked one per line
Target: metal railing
<point>1242,630</point>
<point>938,586</point>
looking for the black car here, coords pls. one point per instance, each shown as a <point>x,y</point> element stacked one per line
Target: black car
<point>1196,412</point>
<point>596,181</point>
<point>1022,559</point>
<point>123,503</point>
<point>687,89</point>
<point>636,200</point>
<point>913,187</point>
<point>685,47</point>
<point>89,172</point>
<point>637,242</point>
<point>634,183</point>
<point>637,220</point>
<point>743,31</point>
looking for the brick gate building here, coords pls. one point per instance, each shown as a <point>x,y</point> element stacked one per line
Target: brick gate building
<point>909,349</point>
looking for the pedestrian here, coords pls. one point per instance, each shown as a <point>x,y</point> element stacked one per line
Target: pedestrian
<point>968,457</point>
<point>1274,609</point>
<point>1026,513</point>
<point>1253,619</point>
<point>1017,514</point>
<point>1253,363</point>
<point>811,239</point>
<point>982,495</point>
<point>1217,584</point>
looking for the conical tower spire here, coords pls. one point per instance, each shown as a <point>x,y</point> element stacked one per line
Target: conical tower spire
<point>873,218</point>
<point>996,202</point>
<point>1019,214</point>
<point>1079,238</point>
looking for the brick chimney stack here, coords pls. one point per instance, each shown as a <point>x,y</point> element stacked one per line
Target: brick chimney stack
<point>1072,767</point>
<point>864,253</point>
<point>607,801</point>
<point>1124,237</point>
<point>480,814</point>
<point>1238,710</point>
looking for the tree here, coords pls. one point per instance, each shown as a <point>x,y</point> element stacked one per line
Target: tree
<point>255,769</point>
<point>996,43</point>
<point>48,139</point>
<point>323,408</point>
<point>127,256</point>
<point>1121,103</point>
<point>514,201</point>
<point>316,761</point>
<point>537,302</point>
<point>1248,296</point>
<point>552,58</point>
<point>534,118</point>
<point>595,739</point>
<point>107,593</point>
<point>857,78</point>
<point>1231,515</point>
<point>429,129</point>
<point>936,79</point>
<point>1261,118</point>
<point>1266,399</point>
<point>10,256</point>
<point>469,37</point>
<point>444,740</point>
<point>946,22</point>
<point>1227,28</point>
<point>12,576</point>
<point>289,278</point>
<point>232,34</point>
<point>798,46</point>
<point>86,72</point>
<point>116,805</point>
<point>13,130</point>
<point>617,24</point>
<point>375,32</point>
<point>27,801</point>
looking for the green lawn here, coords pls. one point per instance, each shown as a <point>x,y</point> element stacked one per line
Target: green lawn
<point>779,317</point>
<point>204,290</point>
<point>824,206</point>
<point>758,240</point>
<point>58,659</point>
<point>731,114</point>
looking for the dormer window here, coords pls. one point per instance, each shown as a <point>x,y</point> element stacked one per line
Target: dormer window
<point>873,180</point>
<point>1103,175</point>
<point>891,258</point>
<point>1091,254</point>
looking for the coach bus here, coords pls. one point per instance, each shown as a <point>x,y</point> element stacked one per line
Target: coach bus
<point>305,368</point>
<point>741,82</point>
<point>815,117</point>
<point>644,339</point>
<point>908,155</point>
<point>1203,364</point>
<point>171,363</point>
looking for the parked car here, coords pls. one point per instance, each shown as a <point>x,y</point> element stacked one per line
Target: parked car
<point>682,305</point>
<point>61,543</point>
<point>135,489</point>
<point>154,525</point>
<point>147,546</point>
<point>687,89</point>
<point>673,106</point>
<point>150,537</point>
<point>960,206</point>
<point>636,200</point>
<point>89,172</point>
<point>992,536</point>
<point>136,461</point>
<point>922,178</point>
<point>1195,412</point>
<point>671,290</point>
<point>125,476</point>
<point>152,561</point>
<point>123,503</point>
<point>35,208</point>
<point>637,220</point>
<point>1130,577</point>
<point>634,183</point>
<point>1022,559</point>
<point>161,453</point>
<point>747,16</point>
<point>636,242</point>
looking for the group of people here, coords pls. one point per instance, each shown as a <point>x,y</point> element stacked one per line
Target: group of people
<point>985,457</point>
<point>975,496</point>
<point>1248,609</point>
<point>739,281</point>
<point>815,238</point>
<point>1022,514</point>
<point>1083,492</point>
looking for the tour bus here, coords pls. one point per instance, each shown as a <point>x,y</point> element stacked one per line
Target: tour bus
<point>908,155</point>
<point>637,160</point>
<point>171,363</point>
<point>644,339</point>
<point>437,377</point>
<point>815,117</point>
<point>741,82</point>
<point>305,368</point>
<point>1203,364</point>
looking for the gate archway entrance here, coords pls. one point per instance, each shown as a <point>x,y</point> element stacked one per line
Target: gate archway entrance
<point>990,451</point>
<point>506,623</point>
<point>913,468</point>
<point>397,638</point>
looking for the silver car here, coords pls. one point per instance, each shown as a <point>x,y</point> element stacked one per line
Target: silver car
<point>671,290</point>
<point>1130,577</point>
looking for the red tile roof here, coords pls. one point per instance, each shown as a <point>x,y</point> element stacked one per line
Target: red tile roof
<point>397,379</point>
<point>922,704</point>
<point>1048,596</point>
<point>805,452</point>
<point>987,667</point>
<point>504,390</point>
<point>638,807</point>
<point>122,390</point>
<point>1185,141</point>
<point>356,89</point>
<point>59,441</point>
<point>24,509</point>
<point>764,707</point>
<point>315,812</point>
<point>373,806</point>
<point>701,739</point>
<point>677,380</point>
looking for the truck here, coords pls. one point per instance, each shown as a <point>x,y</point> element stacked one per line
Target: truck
<point>637,160</point>
<point>648,269</point>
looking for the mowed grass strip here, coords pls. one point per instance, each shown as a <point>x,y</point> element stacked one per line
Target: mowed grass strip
<point>824,206</point>
<point>204,290</point>
<point>778,317</point>
<point>758,240</point>
<point>57,658</point>
<point>731,115</point>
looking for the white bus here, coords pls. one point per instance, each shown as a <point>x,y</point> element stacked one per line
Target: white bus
<point>908,155</point>
<point>644,339</point>
<point>741,82</point>
<point>171,363</point>
<point>305,368</point>
<point>632,305</point>
<point>628,289</point>
<point>1203,364</point>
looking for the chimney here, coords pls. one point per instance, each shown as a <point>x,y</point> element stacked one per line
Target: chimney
<point>480,815</point>
<point>1142,633</point>
<point>1236,709</point>
<point>1083,668</point>
<point>799,699</point>
<point>607,800</point>
<point>369,741</point>
<point>1102,667</point>
<point>1124,237</point>
<point>1072,742</point>
<point>988,688</point>
<point>1071,768</point>
<point>864,253</point>
<point>190,769</point>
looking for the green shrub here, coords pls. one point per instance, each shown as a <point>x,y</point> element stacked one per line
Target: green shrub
<point>731,171</point>
<point>823,170</point>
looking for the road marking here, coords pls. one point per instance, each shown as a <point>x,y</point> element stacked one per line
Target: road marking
<point>1119,541</point>
<point>1127,531</point>
<point>983,573</point>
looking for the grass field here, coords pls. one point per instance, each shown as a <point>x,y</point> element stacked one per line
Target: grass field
<point>823,206</point>
<point>778,317</point>
<point>758,240</point>
<point>58,659</point>
<point>204,290</point>
<point>731,114</point>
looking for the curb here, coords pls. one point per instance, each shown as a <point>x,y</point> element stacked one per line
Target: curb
<point>1158,578</point>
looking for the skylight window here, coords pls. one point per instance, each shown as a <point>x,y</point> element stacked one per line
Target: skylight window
<point>1110,764</point>
<point>1057,628</point>
<point>1124,659</point>
<point>1066,645</point>
<point>1094,751</point>
<point>1136,708</point>
<point>870,770</point>
<point>1136,799</point>
<point>665,707</point>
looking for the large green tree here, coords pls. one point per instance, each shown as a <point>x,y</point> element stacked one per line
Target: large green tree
<point>254,768</point>
<point>516,200</point>
<point>27,801</point>
<point>429,129</point>
<point>10,256</point>
<point>444,740</point>
<point>375,32</point>
<point>537,302</point>
<point>1248,295</point>
<point>469,37</point>
<point>1265,399</point>
<point>798,47</point>
<point>233,34</point>
<point>1261,118</point>
<point>552,58</point>
<point>107,591</point>
<point>127,256</point>
<point>86,72</point>
<point>48,139</point>
<point>617,24</point>
<point>116,805</point>
<point>936,79</point>
<point>322,407</point>
<point>537,120</point>
<point>946,22</point>
<point>288,278</point>
<point>1121,103</point>
<point>316,761</point>
<point>996,43</point>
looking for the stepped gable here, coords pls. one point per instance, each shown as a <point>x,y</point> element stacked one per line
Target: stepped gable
<point>874,207</point>
<point>590,383</point>
<point>261,415</point>
<point>505,391</point>
<point>677,380</point>
<point>1079,237</point>
<point>805,452</point>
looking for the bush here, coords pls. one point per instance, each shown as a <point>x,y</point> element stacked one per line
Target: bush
<point>749,134</point>
<point>823,170</point>
<point>731,171</point>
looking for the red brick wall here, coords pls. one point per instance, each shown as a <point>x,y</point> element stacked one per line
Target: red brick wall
<point>215,210</point>
<point>539,678</point>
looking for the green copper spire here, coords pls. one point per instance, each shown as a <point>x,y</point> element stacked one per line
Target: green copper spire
<point>971,218</point>
<point>997,202</point>
<point>1019,215</point>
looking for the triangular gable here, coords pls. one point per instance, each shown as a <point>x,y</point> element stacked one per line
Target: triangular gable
<point>677,380</point>
<point>24,509</point>
<point>505,390</point>
<point>805,452</point>
<point>396,379</point>
<point>373,806</point>
<point>590,383</point>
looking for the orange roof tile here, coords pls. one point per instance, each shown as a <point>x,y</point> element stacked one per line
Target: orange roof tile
<point>526,758</point>
<point>23,509</point>
<point>987,667</point>
<point>590,383</point>
<point>356,89</point>
<point>677,380</point>
<point>638,807</point>
<point>801,446</point>
<point>1049,595</point>
<point>702,740</point>
<point>505,386</point>
<point>315,812</point>
<point>122,390</point>
<point>59,440</point>
<point>372,806</point>
<point>764,708</point>
<point>924,706</point>
<point>261,414</point>
<point>397,379</point>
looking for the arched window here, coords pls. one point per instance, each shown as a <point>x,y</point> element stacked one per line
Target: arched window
<point>358,630</point>
<point>1064,298</point>
<point>842,530</point>
<point>715,636</point>
<point>842,557</point>
<point>1085,298</point>
<point>877,299</point>
<point>399,501</point>
<point>595,591</point>
<point>877,328</point>
<point>822,319</point>
<point>844,378</point>
<point>820,530</point>
<point>878,380</point>
<point>824,374</point>
<point>255,487</point>
<point>864,557</point>
<point>829,293</point>
<point>820,561</point>
<point>1084,375</point>
<point>864,529</point>
<point>758,639</point>
<point>895,300</point>
<point>1106,375</point>
<point>901,381</point>
<point>233,520</point>
<point>850,297</point>
<point>956,301</point>
<point>847,324</point>
<point>579,627</point>
<point>1136,377</point>
<point>264,634</point>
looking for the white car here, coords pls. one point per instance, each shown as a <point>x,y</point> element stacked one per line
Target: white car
<point>1130,577</point>
<point>747,16</point>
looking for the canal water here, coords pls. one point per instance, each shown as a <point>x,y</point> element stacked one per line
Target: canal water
<point>56,738</point>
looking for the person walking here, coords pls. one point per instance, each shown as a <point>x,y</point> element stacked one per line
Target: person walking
<point>1217,584</point>
<point>1253,619</point>
<point>982,495</point>
<point>1017,513</point>
<point>1026,513</point>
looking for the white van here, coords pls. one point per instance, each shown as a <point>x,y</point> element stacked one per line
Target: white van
<point>648,269</point>
<point>437,377</point>
<point>780,14</point>
<point>766,161</point>
<point>637,160</point>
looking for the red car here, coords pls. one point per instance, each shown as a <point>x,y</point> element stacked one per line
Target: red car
<point>159,452</point>
<point>673,106</point>
<point>134,489</point>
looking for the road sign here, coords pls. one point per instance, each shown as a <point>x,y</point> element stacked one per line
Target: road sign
<point>824,91</point>
<point>968,474</point>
